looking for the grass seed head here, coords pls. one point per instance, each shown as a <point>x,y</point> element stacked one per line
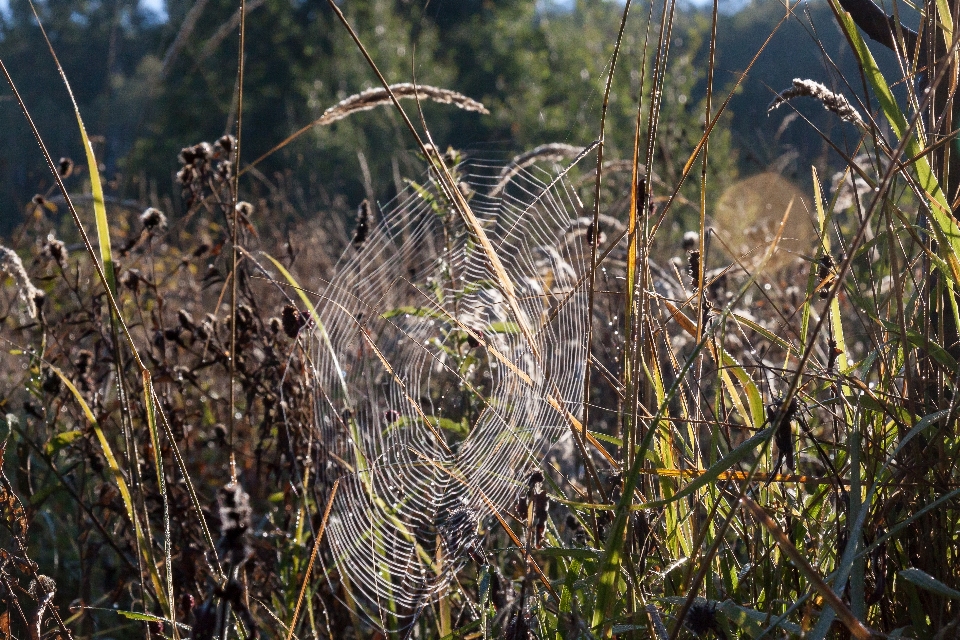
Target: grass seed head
<point>32,297</point>
<point>834,102</point>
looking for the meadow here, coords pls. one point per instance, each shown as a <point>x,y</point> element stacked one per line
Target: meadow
<point>610,383</point>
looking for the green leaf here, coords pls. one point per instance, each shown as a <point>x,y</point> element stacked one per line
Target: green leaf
<point>41,496</point>
<point>510,328</point>
<point>744,617</point>
<point>121,482</point>
<point>144,617</point>
<point>59,441</point>
<point>928,583</point>
<point>419,312</point>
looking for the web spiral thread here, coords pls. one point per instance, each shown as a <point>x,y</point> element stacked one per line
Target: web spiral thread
<point>431,404</point>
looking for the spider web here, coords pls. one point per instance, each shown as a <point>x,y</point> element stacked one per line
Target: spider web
<point>430,401</point>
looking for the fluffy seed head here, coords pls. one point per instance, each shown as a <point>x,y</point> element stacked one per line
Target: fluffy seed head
<point>292,320</point>
<point>65,167</point>
<point>835,102</point>
<point>153,220</point>
<point>245,209</point>
<point>55,250</point>
<point>234,510</point>
<point>11,264</point>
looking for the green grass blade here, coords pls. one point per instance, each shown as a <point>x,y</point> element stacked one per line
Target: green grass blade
<point>150,407</point>
<point>945,226</point>
<point>316,319</point>
<point>121,485</point>
<point>928,583</point>
<point>96,187</point>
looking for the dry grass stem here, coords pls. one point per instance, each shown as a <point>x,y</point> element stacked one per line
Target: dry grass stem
<point>550,152</point>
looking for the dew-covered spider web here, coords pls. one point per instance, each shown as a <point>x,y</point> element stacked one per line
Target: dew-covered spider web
<point>434,396</point>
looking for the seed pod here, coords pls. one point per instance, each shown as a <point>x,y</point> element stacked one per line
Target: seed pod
<point>65,167</point>
<point>782,418</point>
<point>292,320</point>
<point>186,320</point>
<point>693,267</point>
<point>363,225</point>
<point>825,267</point>
<point>833,354</point>
<point>153,220</point>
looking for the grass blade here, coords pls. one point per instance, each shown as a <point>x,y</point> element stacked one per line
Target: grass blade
<point>121,486</point>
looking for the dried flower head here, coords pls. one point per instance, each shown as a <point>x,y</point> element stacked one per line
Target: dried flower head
<point>153,220</point>
<point>206,328</point>
<point>292,320</point>
<point>702,617</point>
<point>234,510</point>
<point>55,250</point>
<point>245,209</point>
<point>130,279</point>
<point>42,586</point>
<point>42,589</point>
<point>691,240</point>
<point>245,318</point>
<point>65,167</point>
<point>225,145</point>
<point>186,320</point>
<point>224,171</point>
<point>11,264</point>
<point>831,101</point>
<point>84,360</point>
<point>363,225</point>
<point>197,155</point>
<point>185,175</point>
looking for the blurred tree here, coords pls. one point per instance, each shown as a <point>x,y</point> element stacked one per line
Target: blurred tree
<point>100,44</point>
<point>149,87</point>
